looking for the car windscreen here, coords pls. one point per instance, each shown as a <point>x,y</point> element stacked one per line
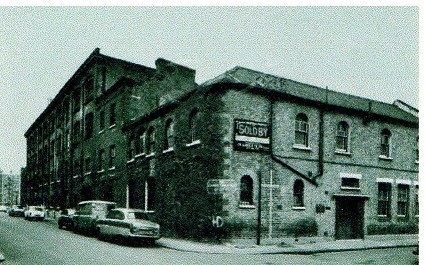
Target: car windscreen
<point>139,215</point>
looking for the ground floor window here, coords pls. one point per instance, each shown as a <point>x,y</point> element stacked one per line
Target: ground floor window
<point>384,198</point>
<point>298,191</point>
<point>246,190</point>
<point>402,209</point>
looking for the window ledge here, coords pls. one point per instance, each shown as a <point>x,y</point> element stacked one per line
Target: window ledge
<point>385,158</point>
<point>298,208</point>
<point>76,176</point>
<point>401,216</point>
<point>196,142</point>
<point>417,162</point>
<point>247,206</point>
<point>139,155</point>
<point>168,150</point>
<point>101,171</point>
<point>101,131</point>
<point>111,168</point>
<point>87,173</point>
<point>349,188</point>
<point>383,216</point>
<point>112,126</point>
<point>302,147</point>
<point>150,155</point>
<point>130,161</point>
<point>342,152</point>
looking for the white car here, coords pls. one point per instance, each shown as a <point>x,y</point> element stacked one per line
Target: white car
<point>127,224</point>
<point>3,208</point>
<point>34,213</point>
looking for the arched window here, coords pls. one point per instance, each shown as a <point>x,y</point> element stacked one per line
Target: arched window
<point>150,141</point>
<point>246,190</point>
<point>301,130</point>
<point>385,140</point>
<point>194,125</point>
<point>140,141</point>
<point>342,137</point>
<point>298,190</point>
<point>169,141</point>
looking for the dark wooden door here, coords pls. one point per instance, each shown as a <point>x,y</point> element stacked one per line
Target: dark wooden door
<point>349,218</point>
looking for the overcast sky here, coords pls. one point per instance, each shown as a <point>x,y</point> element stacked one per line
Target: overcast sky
<point>370,52</point>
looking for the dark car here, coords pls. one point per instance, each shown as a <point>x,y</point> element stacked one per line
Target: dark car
<point>65,219</point>
<point>16,210</point>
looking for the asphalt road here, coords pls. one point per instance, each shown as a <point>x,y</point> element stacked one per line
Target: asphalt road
<point>25,242</point>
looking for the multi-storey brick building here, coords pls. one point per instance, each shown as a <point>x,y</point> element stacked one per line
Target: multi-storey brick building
<point>257,153</point>
<point>334,164</point>
<point>76,148</point>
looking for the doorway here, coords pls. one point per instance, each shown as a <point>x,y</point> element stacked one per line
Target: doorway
<point>349,217</point>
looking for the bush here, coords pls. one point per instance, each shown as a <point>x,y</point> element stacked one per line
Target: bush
<point>392,228</point>
<point>302,227</point>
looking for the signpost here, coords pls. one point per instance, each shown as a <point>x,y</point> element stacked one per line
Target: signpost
<point>252,136</point>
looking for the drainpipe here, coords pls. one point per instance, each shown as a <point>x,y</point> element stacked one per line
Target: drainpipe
<point>323,108</point>
<point>259,208</point>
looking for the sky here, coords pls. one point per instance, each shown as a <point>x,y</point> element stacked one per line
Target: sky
<point>370,52</point>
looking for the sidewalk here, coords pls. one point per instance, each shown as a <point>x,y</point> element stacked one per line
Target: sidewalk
<point>303,248</point>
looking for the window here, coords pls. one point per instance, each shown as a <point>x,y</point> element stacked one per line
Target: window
<point>76,101</point>
<point>417,150</point>
<point>402,209</point>
<point>150,143</point>
<point>385,143</point>
<point>140,146</point>
<point>298,190</point>
<point>111,163</point>
<point>131,148</point>
<point>88,87</point>
<point>169,141</point>
<point>88,125</point>
<point>76,131</point>
<point>101,120</point>
<point>87,165</point>
<point>101,160</point>
<point>246,190</point>
<point>112,115</point>
<point>416,201</point>
<point>350,183</point>
<point>301,130</point>
<point>384,198</point>
<point>194,125</point>
<point>342,137</point>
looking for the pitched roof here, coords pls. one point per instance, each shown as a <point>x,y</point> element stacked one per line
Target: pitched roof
<point>251,78</point>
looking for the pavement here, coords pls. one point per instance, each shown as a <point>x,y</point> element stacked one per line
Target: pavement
<point>282,246</point>
<point>301,246</point>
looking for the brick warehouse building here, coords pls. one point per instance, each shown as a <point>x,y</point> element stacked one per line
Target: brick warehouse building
<point>76,148</point>
<point>329,164</point>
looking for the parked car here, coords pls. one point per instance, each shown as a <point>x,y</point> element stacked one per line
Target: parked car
<point>128,224</point>
<point>86,214</point>
<point>34,213</point>
<point>65,219</point>
<point>3,208</point>
<point>16,210</point>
